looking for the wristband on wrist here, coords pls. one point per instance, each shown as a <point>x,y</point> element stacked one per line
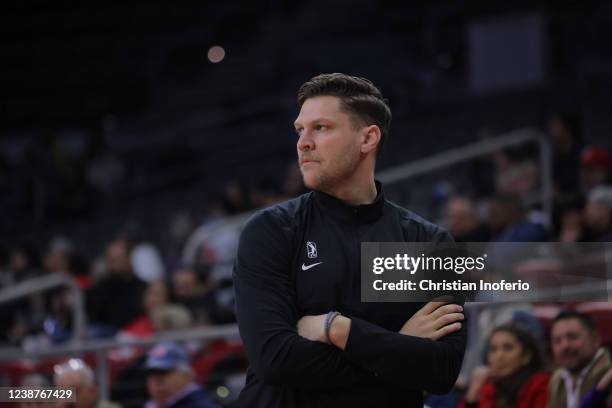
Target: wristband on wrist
<point>329,318</point>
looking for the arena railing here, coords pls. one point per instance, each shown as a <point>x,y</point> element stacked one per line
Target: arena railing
<point>478,149</point>
<point>77,346</point>
<point>45,283</point>
<point>100,348</point>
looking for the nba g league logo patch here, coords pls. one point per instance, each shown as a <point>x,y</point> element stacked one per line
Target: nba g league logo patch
<point>311,249</point>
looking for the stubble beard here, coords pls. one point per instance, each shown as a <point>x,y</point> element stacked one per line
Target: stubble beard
<point>329,179</point>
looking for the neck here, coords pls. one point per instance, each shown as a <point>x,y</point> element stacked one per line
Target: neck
<point>356,193</point>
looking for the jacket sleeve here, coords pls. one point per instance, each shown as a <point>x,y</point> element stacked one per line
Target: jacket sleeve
<point>267,315</point>
<point>408,361</point>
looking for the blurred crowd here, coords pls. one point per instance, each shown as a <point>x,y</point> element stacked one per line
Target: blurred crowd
<point>581,196</point>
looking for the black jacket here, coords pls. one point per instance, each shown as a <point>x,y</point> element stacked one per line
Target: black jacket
<point>276,284</point>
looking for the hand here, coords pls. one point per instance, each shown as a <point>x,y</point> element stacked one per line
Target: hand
<point>605,381</point>
<point>479,377</point>
<point>312,328</point>
<point>434,321</point>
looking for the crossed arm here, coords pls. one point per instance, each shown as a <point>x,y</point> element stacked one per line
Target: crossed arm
<point>285,348</point>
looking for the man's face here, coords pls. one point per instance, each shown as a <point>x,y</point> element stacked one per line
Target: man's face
<point>185,284</point>
<point>164,384</point>
<point>329,144</point>
<point>573,346</point>
<point>118,258</point>
<point>460,216</point>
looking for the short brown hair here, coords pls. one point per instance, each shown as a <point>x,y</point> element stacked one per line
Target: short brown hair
<point>358,97</point>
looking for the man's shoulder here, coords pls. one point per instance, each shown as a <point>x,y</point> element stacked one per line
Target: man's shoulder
<point>416,227</point>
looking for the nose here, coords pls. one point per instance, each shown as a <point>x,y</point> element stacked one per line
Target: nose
<point>305,142</point>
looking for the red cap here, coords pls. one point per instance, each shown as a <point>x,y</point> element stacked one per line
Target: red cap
<point>597,157</point>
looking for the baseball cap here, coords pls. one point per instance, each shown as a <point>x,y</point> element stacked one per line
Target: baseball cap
<point>166,356</point>
<point>595,157</point>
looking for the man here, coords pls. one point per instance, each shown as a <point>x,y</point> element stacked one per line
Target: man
<point>582,361</point>
<point>462,221</point>
<point>74,373</point>
<point>170,380</point>
<point>299,261</point>
<point>598,214</point>
<point>116,299</point>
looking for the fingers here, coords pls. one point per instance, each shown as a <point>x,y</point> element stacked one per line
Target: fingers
<point>446,309</point>
<point>446,330</point>
<point>449,319</point>
<point>430,307</point>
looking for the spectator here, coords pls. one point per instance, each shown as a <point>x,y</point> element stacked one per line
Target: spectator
<point>155,296</point>
<point>171,317</point>
<point>74,373</point>
<point>581,361</point>
<point>193,289</point>
<point>568,218</point>
<point>35,381</point>
<point>598,396</point>
<point>117,298</point>
<point>595,167</point>
<point>598,215</point>
<point>513,377</point>
<point>56,258</point>
<point>509,221</point>
<point>170,380</point>
<point>516,172</point>
<point>462,221</point>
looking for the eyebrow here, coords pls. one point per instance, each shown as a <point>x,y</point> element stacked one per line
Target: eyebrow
<point>317,120</point>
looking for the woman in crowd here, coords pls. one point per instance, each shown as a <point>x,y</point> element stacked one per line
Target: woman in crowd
<point>513,377</point>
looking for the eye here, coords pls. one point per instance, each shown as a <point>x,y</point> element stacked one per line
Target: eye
<point>321,127</point>
<point>298,131</point>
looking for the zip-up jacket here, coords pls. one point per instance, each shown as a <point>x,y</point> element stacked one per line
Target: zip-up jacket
<point>302,257</point>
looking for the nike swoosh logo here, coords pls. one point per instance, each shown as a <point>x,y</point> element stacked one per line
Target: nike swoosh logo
<point>307,267</point>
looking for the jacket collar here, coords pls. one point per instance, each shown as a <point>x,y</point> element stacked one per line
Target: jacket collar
<point>360,214</point>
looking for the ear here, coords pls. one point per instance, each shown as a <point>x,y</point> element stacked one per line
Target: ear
<point>371,139</point>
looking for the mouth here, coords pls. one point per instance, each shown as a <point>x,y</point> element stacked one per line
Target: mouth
<point>307,161</point>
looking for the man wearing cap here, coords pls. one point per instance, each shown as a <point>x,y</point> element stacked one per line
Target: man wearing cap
<point>170,380</point>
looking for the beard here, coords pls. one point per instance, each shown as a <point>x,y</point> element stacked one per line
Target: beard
<point>336,173</point>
